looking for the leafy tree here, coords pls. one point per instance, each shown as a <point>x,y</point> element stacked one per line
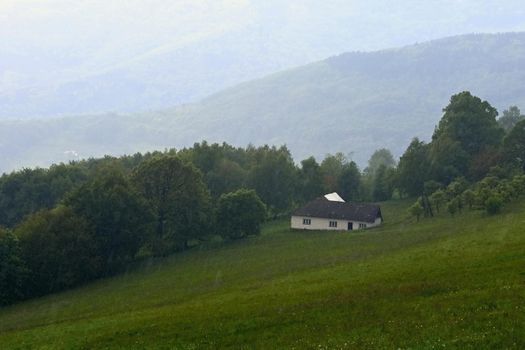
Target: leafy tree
<point>349,182</point>
<point>226,176</point>
<point>455,189</point>
<point>331,169</point>
<point>471,122</point>
<point>505,191</point>
<point>310,179</point>
<point>510,118</point>
<point>59,249</point>
<point>452,206</point>
<point>274,178</point>
<point>240,214</point>
<point>382,186</point>
<point>13,270</point>
<point>438,198</point>
<point>514,146</point>
<point>447,159</point>
<point>482,163</point>
<point>381,157</point>
<point>29,190</point>
<point>416,209</point>
<point>518,184</point>
<point>120,217</point>
<point>413,168</point>
<point>177,195</point>
<point>494,204</point>
<point>431,186</point>
<point>469,198</point>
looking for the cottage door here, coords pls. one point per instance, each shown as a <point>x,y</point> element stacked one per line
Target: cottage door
<point>350,226</point>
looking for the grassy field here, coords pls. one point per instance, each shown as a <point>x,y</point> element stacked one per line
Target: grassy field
<point>441,283</point>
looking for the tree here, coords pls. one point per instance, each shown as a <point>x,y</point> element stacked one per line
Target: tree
<point>494,204</point>
<point>274,178</point>
<point>310,179</point>
<point>59,249</point>
<point>455,189</point>
<point>471,122</point>
<point>518,183</point>
<point>381,157</point>
<point>179,200</point>
<point>413,168</point>
<point>416,209</point>
<point>514,146</point>
<point>119,215</point>
<point>438,198</point>
<point>29,190</point>
<point>382,186</point>
<point>13,270</point>
<point>240,214</point>
<point>226,176</point>
<point>469,198</point>
<point>349,182</point>
<point>331,169</point>
<point>447,159</point>
<point>510,118</point>
<point>452,206</point>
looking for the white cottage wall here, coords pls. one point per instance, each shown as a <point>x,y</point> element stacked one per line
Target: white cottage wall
<point>324,224</point>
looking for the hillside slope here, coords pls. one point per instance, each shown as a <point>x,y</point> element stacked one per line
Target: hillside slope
<point>355,103</point>
<point>454,283</point>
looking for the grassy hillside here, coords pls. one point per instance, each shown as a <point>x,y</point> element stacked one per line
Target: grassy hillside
<point>442,283</point>
<point>355,102</point>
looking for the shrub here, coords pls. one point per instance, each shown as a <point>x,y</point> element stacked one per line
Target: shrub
<point>416,209</point>
<point>240,214</point>
<point>494,204</point>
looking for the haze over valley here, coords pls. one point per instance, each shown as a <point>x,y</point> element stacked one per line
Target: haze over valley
<point>354,102</point>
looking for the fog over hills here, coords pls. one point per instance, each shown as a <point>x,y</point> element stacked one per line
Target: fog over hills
<point>63,57</point>
<point>354,102</point>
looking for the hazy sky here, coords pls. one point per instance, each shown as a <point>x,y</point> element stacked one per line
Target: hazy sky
<point>56,41</point>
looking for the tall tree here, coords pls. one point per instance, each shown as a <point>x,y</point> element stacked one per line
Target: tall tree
<point>381,157</point>
<point>13,270</point>
<point>471,122</point>
<point>382,186</point>
<point>514,146</point>
<point>349,182</point>
<point>310,179</point>
<point>118,214</point>
<point>413,168</point>
<point>59,249</point>
<point>467,130</point>
<point>178,198</point>
<point>274,177</point>
<point>331,169</point>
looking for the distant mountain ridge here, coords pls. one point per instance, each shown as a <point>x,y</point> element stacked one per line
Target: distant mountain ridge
<point>354,103</point>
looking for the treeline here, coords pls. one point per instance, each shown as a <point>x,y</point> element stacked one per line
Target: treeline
<point>72,223</point>
<point>474,160</point>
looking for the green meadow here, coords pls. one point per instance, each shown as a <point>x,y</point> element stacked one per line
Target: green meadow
<point>440,283</point>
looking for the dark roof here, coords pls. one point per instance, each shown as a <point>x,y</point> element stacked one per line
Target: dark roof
<point>323,208</point>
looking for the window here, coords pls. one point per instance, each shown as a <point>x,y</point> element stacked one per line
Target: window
<point>307,221</point>
<point>362,226</point>
<point>332,224</point>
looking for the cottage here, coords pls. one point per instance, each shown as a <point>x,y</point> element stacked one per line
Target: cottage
<point>331,212</point>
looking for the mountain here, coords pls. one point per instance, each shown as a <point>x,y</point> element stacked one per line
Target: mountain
<point>60,58</point>
<point>355,103</point>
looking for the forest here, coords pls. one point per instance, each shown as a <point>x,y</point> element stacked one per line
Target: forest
<point>72,223</point>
